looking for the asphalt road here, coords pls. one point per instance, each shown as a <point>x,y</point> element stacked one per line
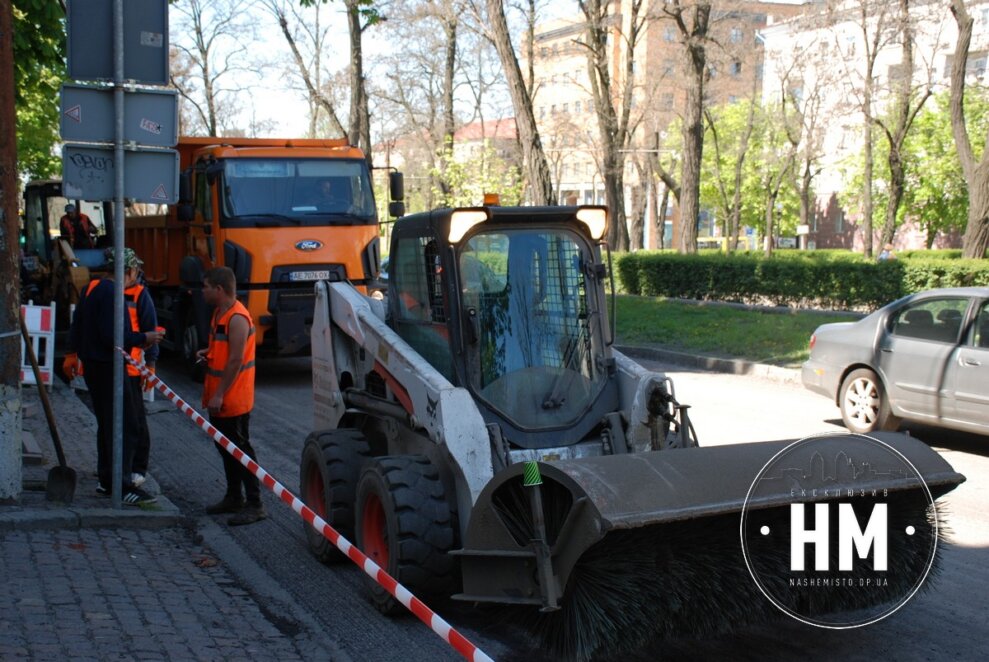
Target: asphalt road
<point>949,621</point>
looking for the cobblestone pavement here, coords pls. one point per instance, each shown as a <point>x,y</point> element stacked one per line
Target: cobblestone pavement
<point>86,582</point>
<point>104,594</point>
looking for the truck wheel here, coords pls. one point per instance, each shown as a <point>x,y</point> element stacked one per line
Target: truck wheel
<point>864,405</point>
<point>404,524</point>
<point>331,464</point>
<point>192,343</point>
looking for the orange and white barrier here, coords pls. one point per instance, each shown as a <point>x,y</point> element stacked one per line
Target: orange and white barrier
<point>40,322</point>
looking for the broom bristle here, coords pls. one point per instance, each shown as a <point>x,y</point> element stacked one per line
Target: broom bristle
<point>689,579</point>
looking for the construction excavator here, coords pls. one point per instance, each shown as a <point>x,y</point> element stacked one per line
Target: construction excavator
<point>479,436</point>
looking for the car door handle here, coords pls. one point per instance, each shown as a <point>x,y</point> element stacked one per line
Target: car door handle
<point>971,362</point>
<point>887,350</point>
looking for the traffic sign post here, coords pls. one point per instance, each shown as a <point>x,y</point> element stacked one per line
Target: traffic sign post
<point>152,175</point>
<point>150,116</point>
<point>117,41</point>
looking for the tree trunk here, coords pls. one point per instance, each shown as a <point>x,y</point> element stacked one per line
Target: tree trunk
<point>637,233</point>
<point>767,244</point>
<point>896,186</point>
<point>359,124</point>
<point>653,205</point>
<point>10,342</point>
<point>536,167</point>
<point>976,240</point>
<point>867,173</point>
<point>661,225</point>
<point>693,130</point>
<point>449,67</point>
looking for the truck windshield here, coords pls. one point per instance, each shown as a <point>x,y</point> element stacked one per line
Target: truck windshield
<point>290,192</point>
<point>533,314</point>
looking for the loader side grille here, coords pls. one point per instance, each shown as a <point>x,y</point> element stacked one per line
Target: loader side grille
<point>511,502</point>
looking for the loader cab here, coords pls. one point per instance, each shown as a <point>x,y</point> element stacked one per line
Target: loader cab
<point>509,303</point>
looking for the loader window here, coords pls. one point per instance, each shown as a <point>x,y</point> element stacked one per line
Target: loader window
<point>419,311</point>
<point>534,359</point>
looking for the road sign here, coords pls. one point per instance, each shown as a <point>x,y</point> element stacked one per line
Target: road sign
<point>803,229</point>
<point>89,24</point>
<point>150,175</point>
<point>149,116</point>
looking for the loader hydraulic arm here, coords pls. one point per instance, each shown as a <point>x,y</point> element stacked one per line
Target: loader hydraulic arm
<point>350,338</point>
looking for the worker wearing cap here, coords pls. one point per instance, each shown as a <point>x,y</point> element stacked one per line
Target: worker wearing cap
<point>77,228</point>
<point>91,341</point>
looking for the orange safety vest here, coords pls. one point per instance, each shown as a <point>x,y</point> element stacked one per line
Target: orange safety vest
<point>239,398</point>
<point>131,295</point>
<point>134,292</point>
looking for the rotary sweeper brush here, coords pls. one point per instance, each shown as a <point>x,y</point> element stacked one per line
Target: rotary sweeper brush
<point>479,437</point>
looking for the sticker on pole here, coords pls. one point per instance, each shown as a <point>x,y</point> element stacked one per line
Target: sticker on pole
<point>159,193</point>
<point>839,531</point>
<point>74,113</point>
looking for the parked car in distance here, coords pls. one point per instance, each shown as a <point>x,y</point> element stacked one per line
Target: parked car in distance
<point>922,358</point>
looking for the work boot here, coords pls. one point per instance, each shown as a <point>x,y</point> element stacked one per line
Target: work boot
<point>252,512</point>
<point>228,504</point>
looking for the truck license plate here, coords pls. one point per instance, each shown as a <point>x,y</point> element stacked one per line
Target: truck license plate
<point>323,274</point>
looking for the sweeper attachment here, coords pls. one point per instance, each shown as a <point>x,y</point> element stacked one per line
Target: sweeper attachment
<point>479,437</point>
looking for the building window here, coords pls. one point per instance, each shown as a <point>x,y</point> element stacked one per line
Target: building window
<point>732,98</point>
<point>668,66</point>
<point>736,35</point>
<point>566,108</point>
<point>667,101</point>
<point>542,111</point>
<point>758,71</point>
<point>736,68</point>
<point>543,52</point>
<point>712,72</point>
<point>669,34</point>
<point>556,50</point>
<point>576,107</point>
<point>552,109</point>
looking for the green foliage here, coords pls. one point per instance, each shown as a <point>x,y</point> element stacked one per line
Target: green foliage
<point>936,192</point>
<point>39,69</point>
<point>485,172</point>
<point>827,279</point>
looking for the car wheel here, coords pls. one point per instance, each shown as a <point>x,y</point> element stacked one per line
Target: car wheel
<point>864,405</point>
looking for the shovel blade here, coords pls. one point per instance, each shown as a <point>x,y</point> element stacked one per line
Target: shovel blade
<point>61,486</point>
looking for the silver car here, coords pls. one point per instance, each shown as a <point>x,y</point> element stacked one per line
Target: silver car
<point>923,358</point>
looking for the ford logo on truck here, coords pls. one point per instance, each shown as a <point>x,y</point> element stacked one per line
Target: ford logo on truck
<point>309,245</point>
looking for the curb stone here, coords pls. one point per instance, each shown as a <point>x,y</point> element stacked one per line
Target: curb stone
<point>790,376</point>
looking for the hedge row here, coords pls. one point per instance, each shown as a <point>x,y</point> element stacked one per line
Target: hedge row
<point>825,281</point>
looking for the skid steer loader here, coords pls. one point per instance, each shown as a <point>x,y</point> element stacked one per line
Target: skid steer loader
<point>478,435</point>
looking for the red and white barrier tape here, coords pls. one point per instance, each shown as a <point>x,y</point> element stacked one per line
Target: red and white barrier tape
<point>377,573</point>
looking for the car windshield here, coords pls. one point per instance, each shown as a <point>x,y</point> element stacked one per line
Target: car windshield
<point>287,192</point>
<point>526,295</point>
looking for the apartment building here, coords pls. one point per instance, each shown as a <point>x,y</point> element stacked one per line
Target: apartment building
<point>564,104</point>
<point>820,59</point>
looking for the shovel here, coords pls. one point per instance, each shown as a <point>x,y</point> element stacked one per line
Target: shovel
<point>61,486</point>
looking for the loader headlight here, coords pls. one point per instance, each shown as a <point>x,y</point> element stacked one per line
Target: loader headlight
<point>596,220</point>
<point>463,220</point>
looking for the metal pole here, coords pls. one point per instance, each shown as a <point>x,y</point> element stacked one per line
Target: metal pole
<point>118,249</point>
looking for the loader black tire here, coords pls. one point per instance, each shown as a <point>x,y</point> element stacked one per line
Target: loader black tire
<point>192,342</point>
<point>328,473</point>
<point>404,524</point>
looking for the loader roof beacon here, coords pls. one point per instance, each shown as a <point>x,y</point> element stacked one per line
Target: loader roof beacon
<point>478,435</point>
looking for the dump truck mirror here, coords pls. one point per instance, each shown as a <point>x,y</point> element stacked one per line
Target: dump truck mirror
<point>396,209</point>
<point>186,212</point>
<point>396,187</point>
<point>213,171</point>
<point>185,185</point>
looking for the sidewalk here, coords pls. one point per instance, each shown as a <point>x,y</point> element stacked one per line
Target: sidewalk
<point>712,363</point>
<point>87,582</point>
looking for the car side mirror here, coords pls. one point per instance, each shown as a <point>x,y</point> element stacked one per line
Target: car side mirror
<point>185,185</point>
<point>396,209</point>
<point>213,171</point>
<point>186,212</point>
<point>396,187</point>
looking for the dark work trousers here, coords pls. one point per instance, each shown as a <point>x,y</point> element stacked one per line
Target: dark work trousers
<point>142,454</point>
<point>237,430</point>
<point>99,381</point>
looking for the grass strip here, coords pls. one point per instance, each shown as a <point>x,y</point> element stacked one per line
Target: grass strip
<point>777,338</point>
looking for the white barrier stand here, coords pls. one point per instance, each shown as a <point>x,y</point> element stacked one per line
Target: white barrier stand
<point>40,322</point>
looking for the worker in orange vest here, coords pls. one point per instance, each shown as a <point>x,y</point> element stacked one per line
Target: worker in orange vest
<point>91,341</point>
<point>228,392</point>
<point>78,228</point>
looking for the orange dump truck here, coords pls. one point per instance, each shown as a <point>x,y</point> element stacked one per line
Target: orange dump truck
<point>280,213</point>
